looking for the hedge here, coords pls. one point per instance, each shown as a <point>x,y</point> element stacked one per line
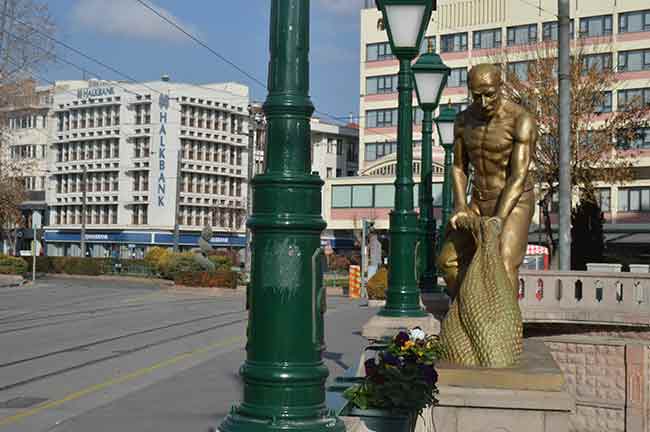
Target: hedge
<point>377,285</point>
<point>221,279</point>
<point>12,265</point>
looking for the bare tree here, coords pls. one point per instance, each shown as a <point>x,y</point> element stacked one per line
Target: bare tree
<point>600,139</point>
<point>25,46</point>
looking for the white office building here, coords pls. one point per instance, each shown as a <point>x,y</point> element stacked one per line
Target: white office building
<point>116,151</point>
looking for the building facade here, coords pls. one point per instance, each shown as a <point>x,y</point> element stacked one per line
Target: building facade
<point>615,33</point>
<point>127,162</point>
<point>335,148</point>
<point>27,131</point>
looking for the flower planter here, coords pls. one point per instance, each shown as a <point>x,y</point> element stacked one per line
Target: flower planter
<point>383,420</point>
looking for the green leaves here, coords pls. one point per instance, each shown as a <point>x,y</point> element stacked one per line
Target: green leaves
<point>401,377</point>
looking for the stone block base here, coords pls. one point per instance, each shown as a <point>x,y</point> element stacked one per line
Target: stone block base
<point>530,397</point>
<point>380,327</point>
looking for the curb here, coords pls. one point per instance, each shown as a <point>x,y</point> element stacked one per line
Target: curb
<point>162,282</point>
<point>11,281</point>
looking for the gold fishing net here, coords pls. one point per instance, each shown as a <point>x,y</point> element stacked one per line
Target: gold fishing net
<point>484,326</point>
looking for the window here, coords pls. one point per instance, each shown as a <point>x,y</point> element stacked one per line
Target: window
<point>634,61</point>
<point>605,105</point>
<point>381,118</point>
<point>457,78</point>
<point>339,147</point>
<point>486,39</point>
<point>631,22</point>
<point>633,98</point>
<point>596,26</point>
<point>381,84</point>
<point>338,172</point>
<point>379,51</point>
<point>362,196</point>
<point>634,199</point>
<point>519,70</point>
<point>596,62</point>
<point>640,140</point>
<point>604,199</point>
<point>385,196</point>
<point>453,42</point>
<point>436,191</point>
<point>341,196</point>
<point>551,30</point>
<point>329,172</point>
<point>593,139</point>
<point>352,154</point>
<point>376,151</point>
<point>522,35</point>
<point>418,115</point>
<point>428,45</point>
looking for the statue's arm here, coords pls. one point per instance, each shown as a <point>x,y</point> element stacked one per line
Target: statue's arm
<point>460,167</point>
<point>525,139</point>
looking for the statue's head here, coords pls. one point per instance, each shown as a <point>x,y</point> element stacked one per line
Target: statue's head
<point>484,82</point>
<point>206,233</point>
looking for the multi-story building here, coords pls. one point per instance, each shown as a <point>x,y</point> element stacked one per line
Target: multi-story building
<point>614,33</point>
<point>335,148</point>
<point>129,161</point>
<point>26,117</point>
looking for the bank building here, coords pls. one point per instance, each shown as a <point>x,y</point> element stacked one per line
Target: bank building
<point>115,150</point>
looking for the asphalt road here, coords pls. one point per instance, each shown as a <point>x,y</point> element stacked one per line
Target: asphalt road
<point>97,355</point>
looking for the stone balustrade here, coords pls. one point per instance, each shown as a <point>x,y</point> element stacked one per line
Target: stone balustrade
<point>585,297</point>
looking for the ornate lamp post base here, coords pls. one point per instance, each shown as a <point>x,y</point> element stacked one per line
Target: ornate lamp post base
<point>236,422</point>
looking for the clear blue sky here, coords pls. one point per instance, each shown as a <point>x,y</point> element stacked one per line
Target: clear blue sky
<point>124,34</point>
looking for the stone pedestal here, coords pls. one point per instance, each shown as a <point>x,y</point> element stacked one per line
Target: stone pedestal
<point>379,327</point>
<point>530,397</point>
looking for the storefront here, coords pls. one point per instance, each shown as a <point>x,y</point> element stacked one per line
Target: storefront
<point>128,244</point>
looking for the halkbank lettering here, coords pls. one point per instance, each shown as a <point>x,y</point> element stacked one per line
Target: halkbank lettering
<point>162,155</point>
<point>95,92</point>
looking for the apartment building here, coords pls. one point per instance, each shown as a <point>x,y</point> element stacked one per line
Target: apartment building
<point>335,148</point>
<point>615,33</point>
<point>26,118</point>
<point>128,161</point>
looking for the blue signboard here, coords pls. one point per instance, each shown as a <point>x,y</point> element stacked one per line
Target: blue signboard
<point>142,238</point>
<point>106,237</point>
<point>193,240</point>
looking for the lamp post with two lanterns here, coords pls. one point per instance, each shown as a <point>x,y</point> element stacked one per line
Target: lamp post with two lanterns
<point>431,76</point>
<point>405,22</point>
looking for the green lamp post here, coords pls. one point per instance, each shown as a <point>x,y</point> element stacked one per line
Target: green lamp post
<point>431,76</point>
<point>405,22</point>
<point>445,124</point>
<point>284,374</point>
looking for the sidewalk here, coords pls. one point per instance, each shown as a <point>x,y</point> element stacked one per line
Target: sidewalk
<point>198,398</point>
<point>8,281</point>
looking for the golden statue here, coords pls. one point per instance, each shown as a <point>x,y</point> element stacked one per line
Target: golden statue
<point>486,238</point>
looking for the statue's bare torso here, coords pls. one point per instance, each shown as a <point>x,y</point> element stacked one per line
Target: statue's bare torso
<point>488,144</point>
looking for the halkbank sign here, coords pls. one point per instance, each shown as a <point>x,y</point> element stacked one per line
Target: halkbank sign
<point>93,92</point>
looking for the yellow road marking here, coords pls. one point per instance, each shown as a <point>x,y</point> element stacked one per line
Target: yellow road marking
<point>117,380</point>
<point>143,297</point>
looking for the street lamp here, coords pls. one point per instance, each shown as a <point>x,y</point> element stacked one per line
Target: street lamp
<point>445,124</point>
<point>431,76</point>
<point>405,22</point>
<point>284,374</point>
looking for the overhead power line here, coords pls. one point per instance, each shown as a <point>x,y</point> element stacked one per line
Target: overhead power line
<point>200,42</point>
<point>221,56</point>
